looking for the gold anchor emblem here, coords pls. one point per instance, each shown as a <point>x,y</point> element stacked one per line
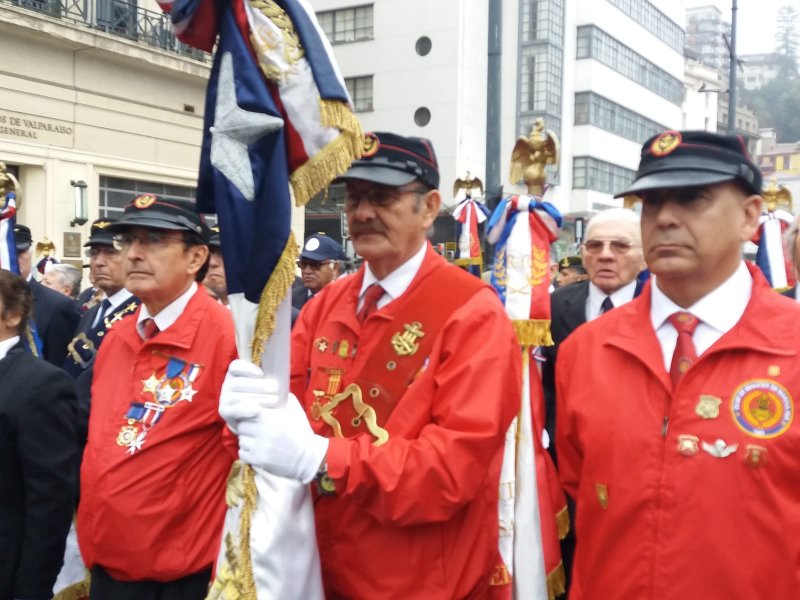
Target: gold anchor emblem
<point>405,342</point>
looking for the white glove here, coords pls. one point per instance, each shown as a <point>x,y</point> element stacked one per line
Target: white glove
<point>273,435</point>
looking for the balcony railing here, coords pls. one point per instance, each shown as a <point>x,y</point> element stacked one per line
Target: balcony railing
<point>117,17</point>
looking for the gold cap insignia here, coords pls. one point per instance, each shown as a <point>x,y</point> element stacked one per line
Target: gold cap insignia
<point>371,145</point>
<point>102,224</point>
<point>564,263</point>
<point>144,201</point>
<point>666,143</point>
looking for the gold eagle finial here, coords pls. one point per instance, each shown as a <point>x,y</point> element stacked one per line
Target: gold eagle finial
<point>530,156</point>
<point>775,195</point>
<point>467,184</point>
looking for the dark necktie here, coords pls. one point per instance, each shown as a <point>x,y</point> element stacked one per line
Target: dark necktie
<point>606,306</point>
<point>149,329</point>
<point>102,312</point>
<point>685,354</point>
<point>371,297</point>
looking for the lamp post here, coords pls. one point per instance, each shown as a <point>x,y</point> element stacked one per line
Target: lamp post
<point>81,209</point>
<point>732,73</point>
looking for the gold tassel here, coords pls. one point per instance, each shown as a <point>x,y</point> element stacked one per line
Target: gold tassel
<point>273,294</point>
<point>562,523</point>
<point>533,332</point>
<point>77,591</point>
<point>556,582</point>
<point>247,583</point>
<point>332,160</point>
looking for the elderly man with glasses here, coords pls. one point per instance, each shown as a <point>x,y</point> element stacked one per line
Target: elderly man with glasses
<point>405,378</point>
<point>158,454</point>
<point>612,256</point>
<point>320,263</point>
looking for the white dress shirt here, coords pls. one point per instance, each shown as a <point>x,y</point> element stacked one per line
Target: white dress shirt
<point>169,314</point>
<point>718,311</point>
<point>6,345</point>
<point>596,296</point>
<point>396,282</point>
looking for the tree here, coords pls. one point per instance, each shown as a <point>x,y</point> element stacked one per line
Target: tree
<point>787,42</point>
<point>775,106</point>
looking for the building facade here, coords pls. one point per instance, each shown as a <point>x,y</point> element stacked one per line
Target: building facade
<point>706,32</point>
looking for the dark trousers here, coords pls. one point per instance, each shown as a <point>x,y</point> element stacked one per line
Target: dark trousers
<point>191,587</point>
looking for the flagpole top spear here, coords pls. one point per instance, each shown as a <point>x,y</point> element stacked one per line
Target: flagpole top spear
<point>530,156</point>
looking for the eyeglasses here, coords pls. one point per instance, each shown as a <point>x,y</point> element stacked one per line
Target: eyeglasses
<point>151,240</point>
<point>312,264</point>
<point>617,246</point>
<point>379,197</point>
<point>96,251</point>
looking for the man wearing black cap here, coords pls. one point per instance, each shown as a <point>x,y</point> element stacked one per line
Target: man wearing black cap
<point>409,374</point>
<point>56,316</point>
<point>106,263</point>
<point>570,270</point>
<point>154,470</point>
<point>214,280</point>
<point>676,435</point>
<point>319,264</point>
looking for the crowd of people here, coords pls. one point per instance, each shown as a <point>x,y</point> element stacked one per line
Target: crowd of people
<point>668,398</point>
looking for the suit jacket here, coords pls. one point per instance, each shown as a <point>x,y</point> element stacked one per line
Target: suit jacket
<point>56,318</point>
<point>38,473</point>
<point>300,296</point>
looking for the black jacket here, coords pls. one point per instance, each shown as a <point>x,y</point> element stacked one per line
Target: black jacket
<point>56,318</point>
<point>38,473</point>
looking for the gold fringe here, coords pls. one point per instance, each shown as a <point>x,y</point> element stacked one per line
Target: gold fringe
<point>31,341</point>
<point>77,591</point>
<point>562,523</point>
<point>247,580</point>
<point>280,281</point>
<point>556,582</point>
<point>332,160</point>
<point>533,332</point>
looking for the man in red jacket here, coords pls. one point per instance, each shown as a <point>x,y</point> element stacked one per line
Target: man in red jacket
<point>676,433</point>
<point>158,455</point>
<point>408,376</point>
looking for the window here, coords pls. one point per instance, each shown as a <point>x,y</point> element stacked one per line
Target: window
<point>592,174</point>
<point>592,109</point>
<point>116,193</point>
<point>596,43</point>
<point>360,90</point>
<point>347,24</point>
<point>652,19</point>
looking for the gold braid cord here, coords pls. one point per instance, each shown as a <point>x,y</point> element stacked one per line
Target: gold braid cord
<point>290,42</point>
<point>533,332</point>
<point>31,341</point>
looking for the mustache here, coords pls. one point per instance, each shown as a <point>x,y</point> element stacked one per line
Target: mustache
<point>368,227</point>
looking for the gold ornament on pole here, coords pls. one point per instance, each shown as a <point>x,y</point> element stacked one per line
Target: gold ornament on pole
<point>776,196</point>
<point>530,156</point>
<point>467,184</point>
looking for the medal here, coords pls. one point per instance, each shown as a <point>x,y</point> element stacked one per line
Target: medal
<point>708,406</point>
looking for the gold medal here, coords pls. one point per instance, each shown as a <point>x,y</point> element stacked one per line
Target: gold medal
<point>127,433</point>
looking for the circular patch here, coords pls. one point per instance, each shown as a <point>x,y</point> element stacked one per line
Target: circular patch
<point>312,244</point>
<point>144,201</point>
<point>371,145</point>
<point>665,143</point>
<point>762,408</point>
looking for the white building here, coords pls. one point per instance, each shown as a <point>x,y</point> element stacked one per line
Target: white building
<point>701,100</point>
<point>758,70</point>
<point>604,74</point>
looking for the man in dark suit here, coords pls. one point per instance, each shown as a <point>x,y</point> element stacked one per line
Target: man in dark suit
<point>55,315</point>
<point>612,256</point>
<point>109,276</point>
<point>38,455</point>
<point>320,263</point>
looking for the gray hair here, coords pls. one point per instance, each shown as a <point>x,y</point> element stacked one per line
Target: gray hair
<point>68,276</point>
<point>616,215</point>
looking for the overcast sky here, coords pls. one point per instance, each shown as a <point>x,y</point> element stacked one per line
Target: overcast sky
<point>755,30</point>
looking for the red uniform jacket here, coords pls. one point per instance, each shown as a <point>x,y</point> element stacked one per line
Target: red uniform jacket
<point>153,508</point>
<point>417,516</point>
<point>659,517</point>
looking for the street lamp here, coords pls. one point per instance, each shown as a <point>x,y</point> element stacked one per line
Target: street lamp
<point>81,209</point>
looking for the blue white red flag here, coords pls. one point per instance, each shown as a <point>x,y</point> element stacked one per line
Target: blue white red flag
<point>278,126</point>
<point>469,213</point>
<point>770,256</point>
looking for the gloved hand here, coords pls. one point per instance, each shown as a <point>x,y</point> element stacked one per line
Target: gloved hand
<point>273,435</point>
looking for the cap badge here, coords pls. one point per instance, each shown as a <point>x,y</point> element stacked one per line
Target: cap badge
<point>666,143</point>
<point>144,201</point>
<point>564,263</point>
<point>371,145</point>
<point>102,224</point>
<point>312,244</point>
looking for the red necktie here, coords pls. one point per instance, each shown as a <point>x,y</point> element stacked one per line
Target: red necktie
<point>685,354</point>
<point>371,297</point>
<point>149,328</point>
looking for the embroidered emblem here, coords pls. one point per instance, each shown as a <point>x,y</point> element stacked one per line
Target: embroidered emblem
<point>719,449</point>
<point>405,342</point>
<point>708,406</point>
<point>371,145</point>
<point>687,444</point>
<point>144,201</point>
<point>755,456</point>
<point>173,387</point>
<point>666,143</point>
<point>762,408</point>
